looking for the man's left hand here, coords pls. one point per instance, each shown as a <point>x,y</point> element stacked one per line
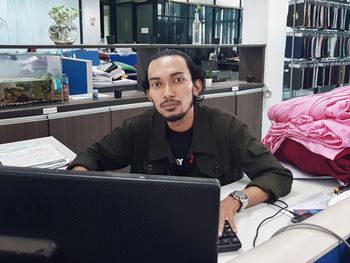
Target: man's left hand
<point>228,209</point>
<point>229,206</point>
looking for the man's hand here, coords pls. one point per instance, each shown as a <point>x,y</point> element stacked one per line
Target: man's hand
<point>229,206</point>
<point>228,209</point>
<point>80,168</point>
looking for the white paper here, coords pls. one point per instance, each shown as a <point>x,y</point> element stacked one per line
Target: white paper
<point>317,201</point>
<point>86,96</point>
<point>39,155</point>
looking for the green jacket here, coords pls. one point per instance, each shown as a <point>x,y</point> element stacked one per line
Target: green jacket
<point>222,145</point>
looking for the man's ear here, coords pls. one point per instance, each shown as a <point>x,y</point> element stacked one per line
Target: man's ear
<point>197,87</point>
<point>148,96</point>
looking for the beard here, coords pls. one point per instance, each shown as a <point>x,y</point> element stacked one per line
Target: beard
<point>175,118</point>
<point>178,116</point>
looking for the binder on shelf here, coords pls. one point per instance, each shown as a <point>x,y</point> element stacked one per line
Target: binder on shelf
<point>79,72</point>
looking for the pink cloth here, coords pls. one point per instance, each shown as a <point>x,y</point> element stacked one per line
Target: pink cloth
<point>334,104</point>
<point>325,137</point>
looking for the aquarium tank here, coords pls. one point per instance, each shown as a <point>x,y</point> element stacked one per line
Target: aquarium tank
<point>30,79</point>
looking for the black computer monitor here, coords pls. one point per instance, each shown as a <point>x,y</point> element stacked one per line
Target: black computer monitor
<point>225,52</point>
<point>106,217</point>
<point>199,54</point>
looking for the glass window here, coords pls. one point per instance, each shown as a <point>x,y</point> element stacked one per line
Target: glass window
<point>228,3</point>
<point>227,25</point>
<point>107,27</point>
<point>175,23</point>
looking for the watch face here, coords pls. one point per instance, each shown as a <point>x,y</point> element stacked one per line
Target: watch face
<point>242,197</point>
<point>240,194</point>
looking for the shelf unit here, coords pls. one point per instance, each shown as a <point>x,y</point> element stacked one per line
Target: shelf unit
<point>317,56</point>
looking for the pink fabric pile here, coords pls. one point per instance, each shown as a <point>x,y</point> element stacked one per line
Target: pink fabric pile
<point>318,126</point>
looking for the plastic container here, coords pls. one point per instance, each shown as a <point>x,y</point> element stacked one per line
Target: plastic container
<point>65,80</point>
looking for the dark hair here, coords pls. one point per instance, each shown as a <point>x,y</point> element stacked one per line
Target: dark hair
<point>196,71</point>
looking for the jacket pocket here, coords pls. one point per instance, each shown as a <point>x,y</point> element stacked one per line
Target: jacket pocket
<point>209,166</point>
<point>257,149</point>
<point>154,167</point>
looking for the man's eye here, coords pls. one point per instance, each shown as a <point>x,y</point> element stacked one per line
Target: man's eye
<point>155,84</point>
<point>179,79</point>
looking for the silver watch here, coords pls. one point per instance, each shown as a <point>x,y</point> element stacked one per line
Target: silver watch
<point>242,198</point>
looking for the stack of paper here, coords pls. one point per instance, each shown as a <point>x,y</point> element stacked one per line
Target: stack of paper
<point>38,155</point>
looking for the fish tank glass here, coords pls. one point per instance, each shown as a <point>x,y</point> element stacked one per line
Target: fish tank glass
<point>30,79</point>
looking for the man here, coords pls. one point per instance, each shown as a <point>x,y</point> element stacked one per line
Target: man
<point>180,137</point>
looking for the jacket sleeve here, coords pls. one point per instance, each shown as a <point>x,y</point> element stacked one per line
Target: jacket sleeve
<point>260,165</point>
<point>112,152</point>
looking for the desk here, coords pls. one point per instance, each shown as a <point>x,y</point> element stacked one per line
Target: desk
<point>248,220</point>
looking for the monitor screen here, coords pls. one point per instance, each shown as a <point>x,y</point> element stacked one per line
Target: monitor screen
<point>69,216</point>
<point>225,52</point>
<point>199,54</point>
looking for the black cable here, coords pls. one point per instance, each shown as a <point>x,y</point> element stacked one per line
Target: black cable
<point>281,201</point>
<point>267,218</point>
<point>293,213</point>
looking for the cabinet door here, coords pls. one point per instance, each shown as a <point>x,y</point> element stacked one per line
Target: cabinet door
<point>23,131</point>
<point>227,103</point>
<point>79,132</point>
<point>249,110</point>
<point>118,116</point>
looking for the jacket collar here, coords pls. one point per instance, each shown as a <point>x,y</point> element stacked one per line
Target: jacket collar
<point>202,142</point>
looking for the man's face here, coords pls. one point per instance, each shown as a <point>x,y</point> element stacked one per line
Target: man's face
<point>171,87</point>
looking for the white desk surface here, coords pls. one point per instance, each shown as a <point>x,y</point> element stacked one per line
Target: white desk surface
<point>248,220</point>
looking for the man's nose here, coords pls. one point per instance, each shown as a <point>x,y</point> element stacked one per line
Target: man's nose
<point>168,91</point>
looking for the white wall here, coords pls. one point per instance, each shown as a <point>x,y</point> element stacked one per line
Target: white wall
<point>264,22</point>
<point>254,26</point>
<point>28,21</point>
<point>91,22</point>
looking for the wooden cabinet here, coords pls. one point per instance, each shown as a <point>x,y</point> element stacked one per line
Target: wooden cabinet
<point>80,131</point>
<point>226,103</point>
<point>249,110</point>
<point>22,129</point>
<point>119,115</point>
<point>247,107</point>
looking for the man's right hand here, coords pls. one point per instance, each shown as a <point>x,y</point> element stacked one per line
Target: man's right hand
<point>80,168</point>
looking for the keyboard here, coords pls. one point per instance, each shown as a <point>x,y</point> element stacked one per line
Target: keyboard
<point>229,241</point>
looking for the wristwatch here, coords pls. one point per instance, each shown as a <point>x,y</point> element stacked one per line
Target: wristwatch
<point>241,197</point>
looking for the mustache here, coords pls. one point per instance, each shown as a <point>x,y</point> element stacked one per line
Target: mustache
<point>170,101</point>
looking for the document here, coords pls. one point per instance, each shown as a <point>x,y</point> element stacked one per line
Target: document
<point>316,201</point>
<point>37,154</point>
